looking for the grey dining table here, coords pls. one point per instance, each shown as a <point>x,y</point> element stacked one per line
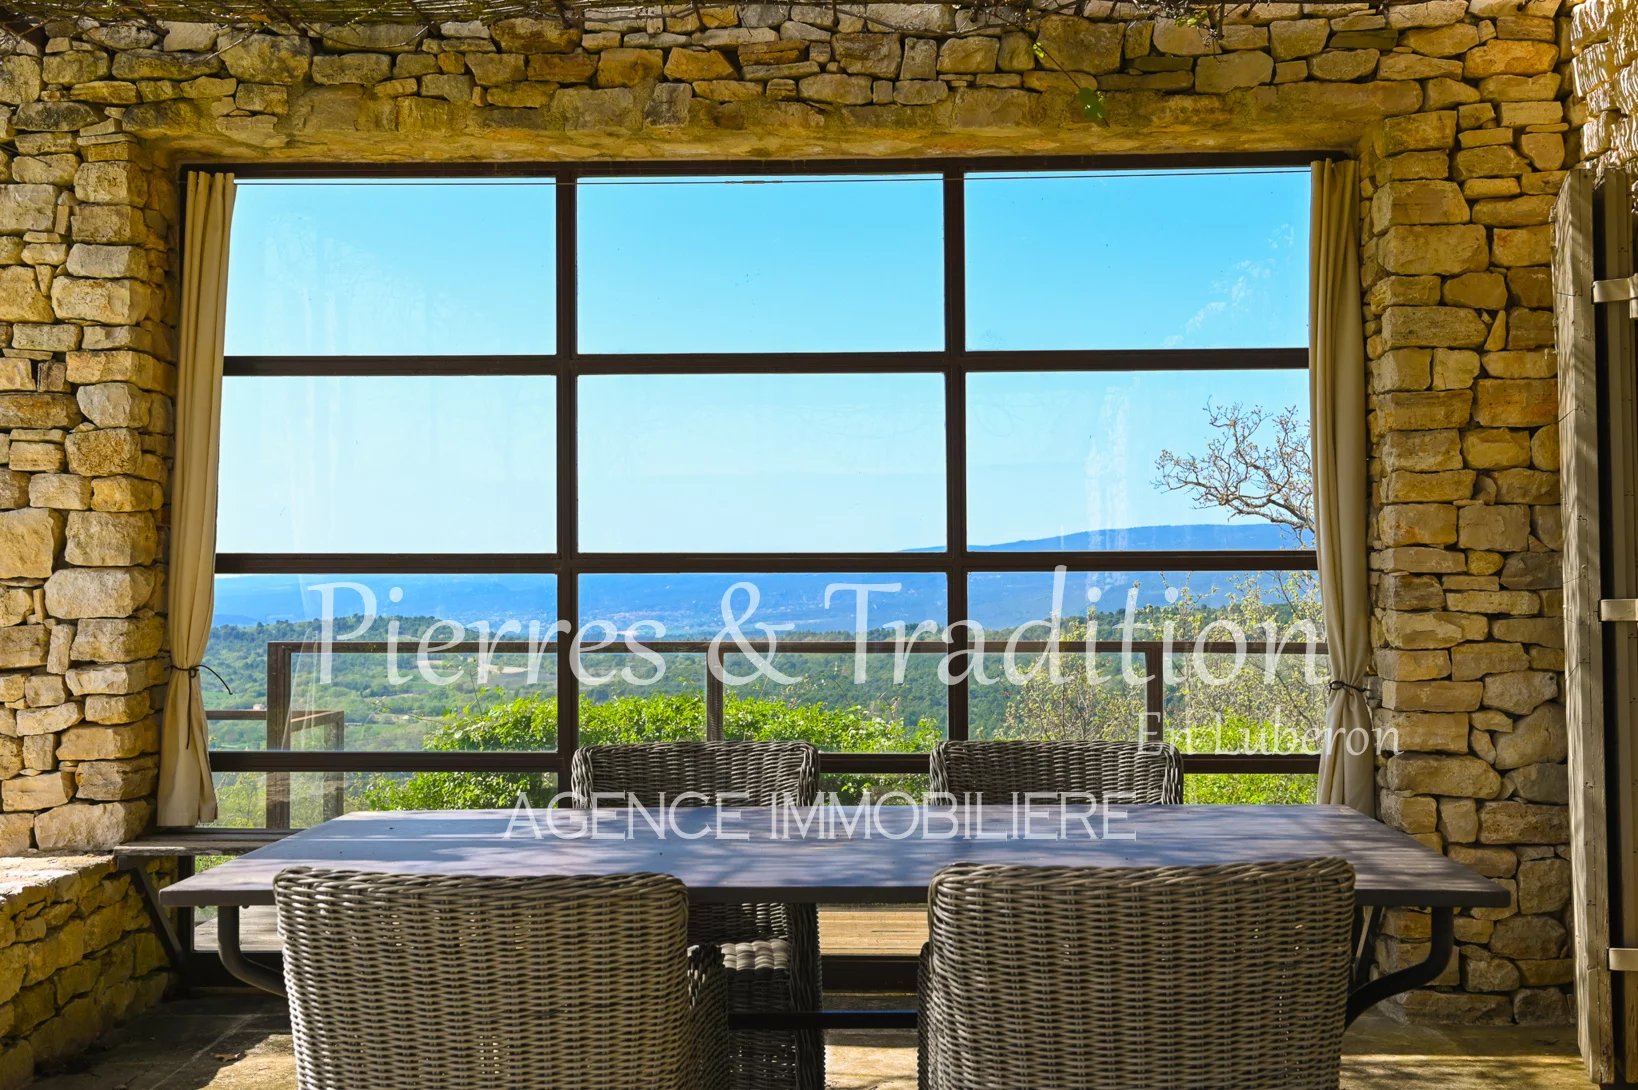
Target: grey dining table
<point>885,854</point>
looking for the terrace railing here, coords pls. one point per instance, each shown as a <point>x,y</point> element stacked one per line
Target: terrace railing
<point>287,724</point>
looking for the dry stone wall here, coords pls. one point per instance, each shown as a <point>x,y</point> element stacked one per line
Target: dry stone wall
<point>1465,558</point>
<point>85,423</point>
<point>77,954</point>
<point>1457,109</point>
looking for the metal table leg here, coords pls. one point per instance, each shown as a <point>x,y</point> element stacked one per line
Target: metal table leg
<point>1369,994</point>
<point>233,958</point>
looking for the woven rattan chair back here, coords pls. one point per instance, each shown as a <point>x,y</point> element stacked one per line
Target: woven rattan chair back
<point>758,773</point>
<point>770,950</point>
<point>466,983</point>
<point>1132,772</point>
<point>1232,977</point>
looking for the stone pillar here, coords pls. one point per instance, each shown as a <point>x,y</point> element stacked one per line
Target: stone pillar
<point>86,238</point>
<point>1604,39</point>
<point>1465,565</point>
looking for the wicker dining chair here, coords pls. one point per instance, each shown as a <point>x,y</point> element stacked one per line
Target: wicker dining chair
<point>1233,977</point>
<point>770,952</point>
<point>479,983</point>
<point>1134,772</point>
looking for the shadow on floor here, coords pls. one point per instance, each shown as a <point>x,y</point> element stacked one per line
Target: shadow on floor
<point>235,1041</point>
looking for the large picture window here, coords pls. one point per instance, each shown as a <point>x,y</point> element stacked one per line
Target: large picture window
<point>869,457</point>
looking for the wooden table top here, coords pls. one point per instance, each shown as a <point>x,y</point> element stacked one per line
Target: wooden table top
<point>889,857</point>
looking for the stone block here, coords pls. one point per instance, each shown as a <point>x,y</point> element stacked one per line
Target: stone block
<point>627,67</point>
<point>1409,813</point>
<point>1422,451</point>
<point>1440,251</point>
<point>1523,246</point>
<point>105,302</point>
<point>111,183</point>
<point>27,207</point>
<point>1433,327</point>
<point>1471,661</point>
<point>1401,203</point>
<point>126,494</point>
<point>1523,823</point>
<point>108,781</point>
<point>104,452</point>
<point>1547,782</point>
<point>1414,630</point>
<point>108,539</point>
<point>1422,732</point>
<point>47,720</point>
<point>1426,774</point>
<point>117,640</point>
<point>21,299</point>
<point>1418,132</point>
<point>1081,46</point>
<point>22,647</point>
<point>107,743</point>
<point>1431,696</point>
<point>360,68</point>
<point>1529,936</point>
<point>524,35</point>
<point>41,792</point>
<point>698,64</point>
<point>1518,403</point>
<point>1399,665</point>
<point>1501,57</point>
<point>1423,411</point>
<point>1498,528</point>
<point>29,540</point>
<point>967,55</point>
<point>1418,524</point>
<point>82,825</point>
<point>73,593</point>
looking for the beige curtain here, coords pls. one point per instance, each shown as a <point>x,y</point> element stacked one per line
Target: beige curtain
<point>186,795</point>
<point>1336,345</point>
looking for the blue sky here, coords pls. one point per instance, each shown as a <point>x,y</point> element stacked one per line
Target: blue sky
<point>721,463</point>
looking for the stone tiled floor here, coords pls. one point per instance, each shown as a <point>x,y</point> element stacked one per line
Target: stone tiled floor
<point>241,1042</point>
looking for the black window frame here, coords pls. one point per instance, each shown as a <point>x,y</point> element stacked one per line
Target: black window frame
<point>954,362</point>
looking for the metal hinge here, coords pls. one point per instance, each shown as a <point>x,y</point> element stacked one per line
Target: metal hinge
<point>1624,959</point>
<point>1618,609</point>
<point>1618,291</point>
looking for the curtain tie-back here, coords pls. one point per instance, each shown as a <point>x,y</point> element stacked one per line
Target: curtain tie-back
<point>193,671</point>
<point>1337,685</point>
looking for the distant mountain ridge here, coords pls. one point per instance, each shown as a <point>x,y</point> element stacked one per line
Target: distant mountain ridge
<point>690,603</point>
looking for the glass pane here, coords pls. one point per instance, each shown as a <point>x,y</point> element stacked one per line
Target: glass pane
<point>794,692</point>
<point>1182,259</point>
<point>764,463</point>
<point>399,465</point>
<point>840,701</point>
<point>1168,461</point>
<point>1070,696</point>
<point>472,665</point>
<point>628,698</point>
<point>1266,701</point>
<point>822,264</point>
<point>1119,629</point>
<point>1151,605</point>
<point>700,606</point>
<point>1238,788</point>
<point>241,797</point>
<point>385,268</point>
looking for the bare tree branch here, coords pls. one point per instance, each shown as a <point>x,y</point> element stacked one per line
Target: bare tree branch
<point>1255,465</point>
